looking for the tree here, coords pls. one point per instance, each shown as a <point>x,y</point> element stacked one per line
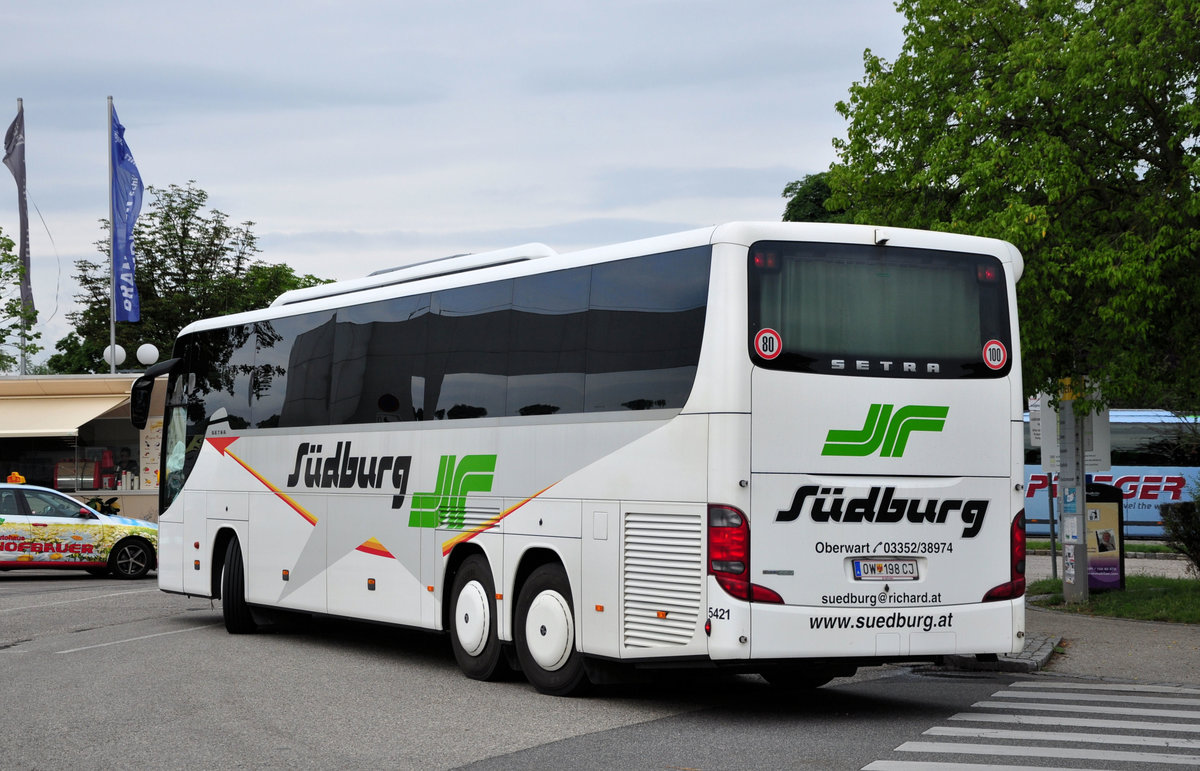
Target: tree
<point>14,316</point>
<point>1072,129</point>
<point>807,200</point>
<point>191,264</point>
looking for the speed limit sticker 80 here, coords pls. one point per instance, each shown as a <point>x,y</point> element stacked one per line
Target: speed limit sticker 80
<point>768,344</point>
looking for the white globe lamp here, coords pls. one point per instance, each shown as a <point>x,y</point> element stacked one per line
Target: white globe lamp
<point>147,354</point>
<point>108,356</point>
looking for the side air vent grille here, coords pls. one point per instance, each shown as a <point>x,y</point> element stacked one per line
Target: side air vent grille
<point>663,573</point>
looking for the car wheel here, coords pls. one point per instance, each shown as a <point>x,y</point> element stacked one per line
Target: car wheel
<point>545,634</point>
<point>131,558</point>
<point>238,618</point>
<point>473,621</point>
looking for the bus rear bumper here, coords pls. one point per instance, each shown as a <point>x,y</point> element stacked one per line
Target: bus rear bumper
<point>784,632</point>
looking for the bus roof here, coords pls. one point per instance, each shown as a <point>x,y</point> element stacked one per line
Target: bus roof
<point>494,262</point>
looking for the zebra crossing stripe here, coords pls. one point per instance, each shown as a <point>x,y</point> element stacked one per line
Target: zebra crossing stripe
<point>926,765</point>
<point>1100,697</point>
<point>1064,736</point>
<point>1077,753</point>
<point>1087,708</point>
<point>1129,687</point>
<point>1079,722</point>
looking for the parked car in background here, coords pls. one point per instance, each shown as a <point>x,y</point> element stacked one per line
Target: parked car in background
<point>42,528</point>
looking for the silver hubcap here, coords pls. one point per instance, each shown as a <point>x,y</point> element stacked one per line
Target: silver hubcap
<point>550,630</point>
<point>472,618</point>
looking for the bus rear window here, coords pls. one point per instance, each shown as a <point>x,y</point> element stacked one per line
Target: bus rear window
<point>878,311</point>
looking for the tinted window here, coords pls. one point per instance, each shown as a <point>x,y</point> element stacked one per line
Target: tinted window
<point>878,310</point>
<point>645,325</point>
<point>222,360</point>
<point>466,367</point>
<point>548,347</point>
<point>617,336</point>
<point>379,361</point>
<point>292,370</point>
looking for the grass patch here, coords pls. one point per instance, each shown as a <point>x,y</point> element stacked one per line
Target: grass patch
<point>1147,548</point>
<point>1146,598</point>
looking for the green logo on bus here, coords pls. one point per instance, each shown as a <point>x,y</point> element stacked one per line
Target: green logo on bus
<point>886,430</point>
<point>446,505</point>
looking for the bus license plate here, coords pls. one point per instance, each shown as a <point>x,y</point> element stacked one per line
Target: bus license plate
<point>885,570</point>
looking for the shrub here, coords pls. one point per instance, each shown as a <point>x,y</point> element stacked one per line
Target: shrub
<point>1181,522</point>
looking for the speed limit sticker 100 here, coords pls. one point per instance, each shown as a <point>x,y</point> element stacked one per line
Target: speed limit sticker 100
<point>768,344</point>
<point>995,355</point>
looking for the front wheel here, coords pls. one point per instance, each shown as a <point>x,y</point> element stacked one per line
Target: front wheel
<point>131,558</point>
<point>473,625</point>
<point>545,634</point>
<point>238,618</point>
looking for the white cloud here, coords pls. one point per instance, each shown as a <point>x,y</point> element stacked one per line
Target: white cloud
<point>358,135</point>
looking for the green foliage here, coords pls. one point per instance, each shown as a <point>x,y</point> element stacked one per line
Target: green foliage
<point>1147,598</point>
<point>1181,523</point>
<point>1071,129</point>
<point>807,200</point>
<point>192,264</point>
<point>13,315</point>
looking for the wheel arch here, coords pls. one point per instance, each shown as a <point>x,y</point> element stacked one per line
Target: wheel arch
<point>453,564</point>
<point>219,545</point>
<point>112,553</point>
<point>530,560</point>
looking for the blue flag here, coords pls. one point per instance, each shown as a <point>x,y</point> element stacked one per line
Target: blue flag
<point>126,206</point>
<point>14,159</point>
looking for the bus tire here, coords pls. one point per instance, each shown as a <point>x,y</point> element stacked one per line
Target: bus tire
<point>238,618</point>
<point>545,634</point>
<point>131,559</point>
<point>801,677</point>
<point>473,621</point>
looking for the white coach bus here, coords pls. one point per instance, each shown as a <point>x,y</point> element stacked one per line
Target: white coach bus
<point>783,448</point>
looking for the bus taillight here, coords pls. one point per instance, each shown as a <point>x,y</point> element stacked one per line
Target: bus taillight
<point>729,555</point>
<point>1015,586</point>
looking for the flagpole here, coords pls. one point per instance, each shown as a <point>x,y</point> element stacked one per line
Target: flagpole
<point>112,251</point>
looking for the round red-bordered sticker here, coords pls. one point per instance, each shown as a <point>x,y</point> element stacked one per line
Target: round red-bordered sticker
<point>768,344</point>
<point>995,355</point>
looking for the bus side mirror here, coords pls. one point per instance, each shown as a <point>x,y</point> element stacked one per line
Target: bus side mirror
<point>141,390</point>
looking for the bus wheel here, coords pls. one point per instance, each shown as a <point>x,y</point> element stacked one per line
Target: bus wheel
<point>473,625</point>
<point>801,677</point>
<point>545,634</point>
<point>238,618</point>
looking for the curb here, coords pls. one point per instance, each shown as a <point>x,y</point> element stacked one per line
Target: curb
<point>1129,555</point>
<point>1038,650</point>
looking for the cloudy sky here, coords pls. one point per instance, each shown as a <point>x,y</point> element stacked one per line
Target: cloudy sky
<point>362,134</point>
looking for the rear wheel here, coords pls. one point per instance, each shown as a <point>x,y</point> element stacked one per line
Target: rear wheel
<point>473,625</point>
<point>238,618</point>
<point>804,677</point>
<point>545,634</point>
<point>131,558</point>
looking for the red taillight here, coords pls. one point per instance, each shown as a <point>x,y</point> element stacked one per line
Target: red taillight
<point>729,555</point>
<point>1015,586</point>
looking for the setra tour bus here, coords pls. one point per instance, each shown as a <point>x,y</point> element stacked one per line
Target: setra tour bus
<point>782,448</point>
